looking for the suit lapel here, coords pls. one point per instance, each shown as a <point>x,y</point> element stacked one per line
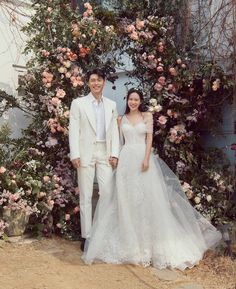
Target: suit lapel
<point>108,112</point>
<point>90,112</point>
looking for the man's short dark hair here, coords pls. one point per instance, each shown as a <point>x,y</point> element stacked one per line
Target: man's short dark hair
<point>98,72</point>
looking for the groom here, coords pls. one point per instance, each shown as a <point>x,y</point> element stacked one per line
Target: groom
<point>94,145</point>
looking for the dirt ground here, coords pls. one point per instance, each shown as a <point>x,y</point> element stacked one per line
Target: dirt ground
<point>56,264</point>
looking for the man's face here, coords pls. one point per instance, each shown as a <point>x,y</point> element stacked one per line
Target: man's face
<point>96,84</point>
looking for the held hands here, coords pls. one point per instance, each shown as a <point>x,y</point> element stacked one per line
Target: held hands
<point>113,162</point>
<point>76,163</point>
<point>145,165</point>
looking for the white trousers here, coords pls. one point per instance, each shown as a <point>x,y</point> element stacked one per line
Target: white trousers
<point>104,173</point>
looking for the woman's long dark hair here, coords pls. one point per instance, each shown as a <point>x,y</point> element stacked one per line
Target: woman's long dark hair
<point>141,107</point>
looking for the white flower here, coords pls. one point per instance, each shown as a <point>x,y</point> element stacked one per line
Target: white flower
<point>51,142</point>
<point>199,206</point>
<point>5,115</point>
<point>3,103</point>
<point>197,200</point>
<point>216,176</point>
<point>62,69</point>
<point>67,64</point>
<point>209,198</point>
<point>158,107</point>
<point>185,187</point>
<point>189,194</point>
<point>153,101</point>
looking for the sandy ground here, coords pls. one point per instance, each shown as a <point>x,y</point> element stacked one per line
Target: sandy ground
<point>56,264</point>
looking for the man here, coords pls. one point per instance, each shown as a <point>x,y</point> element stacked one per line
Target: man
<point>94,145</point>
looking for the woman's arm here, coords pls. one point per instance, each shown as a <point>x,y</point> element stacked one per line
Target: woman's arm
<point>145,164</point>
<point>149,138</point>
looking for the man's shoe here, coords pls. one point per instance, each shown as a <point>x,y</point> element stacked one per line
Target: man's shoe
<point>82,244</point>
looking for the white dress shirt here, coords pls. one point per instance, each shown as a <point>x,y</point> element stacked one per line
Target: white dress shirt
<point>99,111</point>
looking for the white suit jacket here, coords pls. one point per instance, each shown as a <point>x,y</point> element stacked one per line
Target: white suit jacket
<point>82,129</point>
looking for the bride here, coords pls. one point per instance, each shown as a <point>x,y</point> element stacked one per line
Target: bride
<point>147,219</point>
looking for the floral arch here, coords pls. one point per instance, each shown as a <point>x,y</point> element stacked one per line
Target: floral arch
<point>182,95</point>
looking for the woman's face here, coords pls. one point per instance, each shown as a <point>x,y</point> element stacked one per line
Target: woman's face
<point>134,101</point>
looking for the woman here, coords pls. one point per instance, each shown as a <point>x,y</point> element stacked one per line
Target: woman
<point>148,219</point>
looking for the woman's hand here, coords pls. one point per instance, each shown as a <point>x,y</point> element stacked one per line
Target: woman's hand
<point>145,165</point>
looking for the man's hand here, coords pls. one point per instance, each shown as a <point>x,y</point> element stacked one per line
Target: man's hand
<point>113,162</point>
<point>76,163</point>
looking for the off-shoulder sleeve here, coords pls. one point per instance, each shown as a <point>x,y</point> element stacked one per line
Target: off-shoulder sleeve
<point>148,119</point>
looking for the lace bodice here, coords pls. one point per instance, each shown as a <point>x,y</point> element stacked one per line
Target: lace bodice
<point>135,134</point>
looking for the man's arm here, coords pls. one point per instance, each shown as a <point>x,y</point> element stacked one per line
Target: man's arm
<point>115,135</point>
<point>74,133</point>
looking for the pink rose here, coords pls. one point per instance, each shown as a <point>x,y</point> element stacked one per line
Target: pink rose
<point>48,85</point>
<point>67,217</point>
<point>178,61</point>
<point>66,113</point>
<point>169,112</point>
<point>139,24</point>
<point>88,6</point>
<point>61,93</point>
<point>2,170</point>
<point>151,57</point>
<point>76,210</point>
<point>134,35</point>
<point>162,119</point>
<point>90,11</point>
<point>162,80</point>
<point>158,87</point>
<point>130,28</point>
<point>170,86</point>
<point>160,48</point>
<point>77,190</point>
<point>41,195</point>
<point>28,192</point>
<point>45,53</point>
<point>160,68</point>
<point>55,101</point>
<point>46,179</point>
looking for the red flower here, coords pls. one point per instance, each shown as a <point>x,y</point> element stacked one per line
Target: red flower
<point>83,51</point>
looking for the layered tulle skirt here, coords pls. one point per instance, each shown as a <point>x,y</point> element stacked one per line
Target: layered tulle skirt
<point>147,219</point>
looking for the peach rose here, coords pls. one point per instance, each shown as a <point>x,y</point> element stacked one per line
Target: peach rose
<point>46,179</point>
<point>55,101</point>
<point>2,170</point>
<point>61,93</point>
<point>139,24</point>
<point>162,80</point>
<point>173,71</point>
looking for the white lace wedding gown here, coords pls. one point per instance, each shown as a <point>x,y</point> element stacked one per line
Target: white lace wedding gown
<point>147,219</point>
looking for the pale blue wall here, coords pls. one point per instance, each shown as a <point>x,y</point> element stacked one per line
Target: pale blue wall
<point>227,136</point>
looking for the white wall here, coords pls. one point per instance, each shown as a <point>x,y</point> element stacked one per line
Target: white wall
<point>13,15</point>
